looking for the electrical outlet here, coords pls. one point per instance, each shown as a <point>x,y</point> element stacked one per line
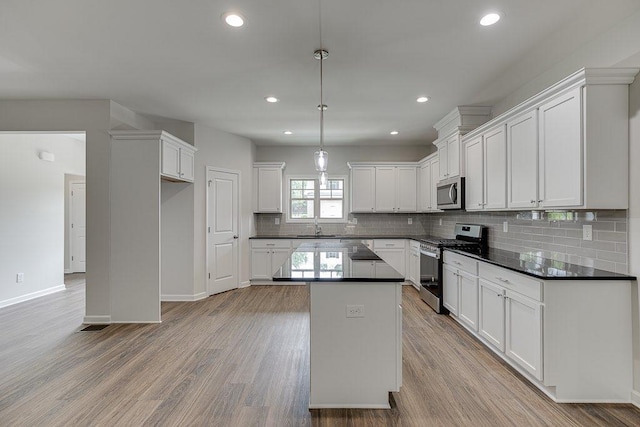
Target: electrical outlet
<point>355,310</point>
<point>587,232</point>
<point>277,221</point>
<point>440,221</point>
<point>409,221</point>
<point>19,277</point>
<point>354,220</point>
<point>505,226</point>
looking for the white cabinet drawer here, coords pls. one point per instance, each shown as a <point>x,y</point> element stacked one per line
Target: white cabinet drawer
<point>389,243</point>
<point>513,281</point>
<point>271,244</point>
<point>462,262</point>
<point>415,245</point>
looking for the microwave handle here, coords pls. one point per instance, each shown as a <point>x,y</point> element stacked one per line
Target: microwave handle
<point>451,192</point>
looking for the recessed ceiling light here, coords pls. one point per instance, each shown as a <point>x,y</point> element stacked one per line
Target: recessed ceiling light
<point>233,19</point>
<point>288,132</point>
<point>271,99</point>
<point>423,99</point>
<point>489,19</point>
<point>394,132</point>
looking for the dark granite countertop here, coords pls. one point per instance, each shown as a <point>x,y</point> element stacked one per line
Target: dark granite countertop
<point>339,237</point>
<point>348,261</point>
<point>531,264</point>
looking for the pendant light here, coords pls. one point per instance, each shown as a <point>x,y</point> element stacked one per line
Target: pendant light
<point>321,157</point>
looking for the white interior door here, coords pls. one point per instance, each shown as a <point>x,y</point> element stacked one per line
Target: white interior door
<point>78,227</point>
<point>222,231</point>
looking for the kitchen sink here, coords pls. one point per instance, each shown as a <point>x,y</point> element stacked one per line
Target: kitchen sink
<point>313,236</point>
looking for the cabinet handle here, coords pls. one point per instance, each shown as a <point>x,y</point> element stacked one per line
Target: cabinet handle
<point>271,244</point>
<point>540,201</point>
<point>502,280</point>
<point>457,263</point>
<point>532,201</point>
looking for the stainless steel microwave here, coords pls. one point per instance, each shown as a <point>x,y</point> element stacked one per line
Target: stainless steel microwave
<point>451,193</point>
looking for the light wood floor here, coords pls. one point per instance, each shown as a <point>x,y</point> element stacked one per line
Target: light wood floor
<point>242,359</point>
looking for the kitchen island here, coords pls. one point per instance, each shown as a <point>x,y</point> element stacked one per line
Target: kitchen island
<point>355,323</point>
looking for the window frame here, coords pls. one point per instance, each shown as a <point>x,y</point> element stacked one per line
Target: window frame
<point>316,203</point>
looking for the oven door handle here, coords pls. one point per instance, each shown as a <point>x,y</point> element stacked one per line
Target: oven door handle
<point>430,254</point>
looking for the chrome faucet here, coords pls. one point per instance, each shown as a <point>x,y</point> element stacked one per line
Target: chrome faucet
<point>318,228</point>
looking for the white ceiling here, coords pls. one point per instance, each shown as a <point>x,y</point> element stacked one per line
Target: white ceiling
<point>178,59</point>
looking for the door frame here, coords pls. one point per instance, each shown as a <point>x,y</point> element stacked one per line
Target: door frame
<point>207,224</point>
<point>69,235</point>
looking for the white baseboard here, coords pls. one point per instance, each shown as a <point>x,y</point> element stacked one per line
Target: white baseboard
<point>67,271</point>
<point>183,298</point>
<point>635,398</point>
<point>245,284</point>
<point>97,320</point>
<point>134,321</point>
<point>27,297</point>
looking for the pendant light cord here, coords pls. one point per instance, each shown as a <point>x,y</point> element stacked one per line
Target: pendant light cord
<point>321,77</point>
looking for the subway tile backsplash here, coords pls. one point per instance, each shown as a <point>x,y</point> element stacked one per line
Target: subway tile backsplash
<point>555,235</point>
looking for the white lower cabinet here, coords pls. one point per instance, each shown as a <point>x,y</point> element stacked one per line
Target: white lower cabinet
<point>393,252</point>
<point>413,264</point>
<point>450,289</point>
<point>267,256</point>
<point>492,313</point>
<point>468,307</point>
<point>524,332</point>
<point>554,332</point>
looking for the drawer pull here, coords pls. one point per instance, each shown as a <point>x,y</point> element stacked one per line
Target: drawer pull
<point>457,263</point>
<point>389,244</point>
<point>503,280</point>
<point>271,244</point>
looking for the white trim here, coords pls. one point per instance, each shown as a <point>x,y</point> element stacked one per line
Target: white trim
<point>70,218</point>
<point>245,284</point>
<point>349,405</point>
<point>345,200</point>
<point>183,298</point>
<point>142,322</point>
<point>32,295</point>
<point>582,77</point>
<point>97,320</point>
<point>635,398</point>
<point>206,215</point>
<point>139,135</point>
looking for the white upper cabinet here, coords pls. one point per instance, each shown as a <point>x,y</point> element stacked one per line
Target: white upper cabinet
<point>363,189</point>
<point>560,145</point>
<point>178,159</point>
<point>384,187</point>
<point>567,147</point>
<point>449,157</point>
<point>267,187</point>
<point>428,177</point>
<point>474,167</point>
<point>522,164</point>
<point>485,165</point>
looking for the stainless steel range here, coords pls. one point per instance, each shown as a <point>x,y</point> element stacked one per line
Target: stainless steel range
<point>469,237</point>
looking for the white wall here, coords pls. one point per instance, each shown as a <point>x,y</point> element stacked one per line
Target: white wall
<point>223,150</point>
<point>32,211</point>
<point>299,159</point>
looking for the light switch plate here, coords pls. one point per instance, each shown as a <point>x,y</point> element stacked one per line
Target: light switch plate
<point>587,232</point>
<point>277,221</point>
<point>19,277</point>
<point>409,220</point>
<point>505,226</point>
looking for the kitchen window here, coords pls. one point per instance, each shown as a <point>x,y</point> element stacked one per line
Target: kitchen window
<point>307,200</point>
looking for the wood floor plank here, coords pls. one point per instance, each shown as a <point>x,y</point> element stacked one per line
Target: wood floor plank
<point>241,358</point>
